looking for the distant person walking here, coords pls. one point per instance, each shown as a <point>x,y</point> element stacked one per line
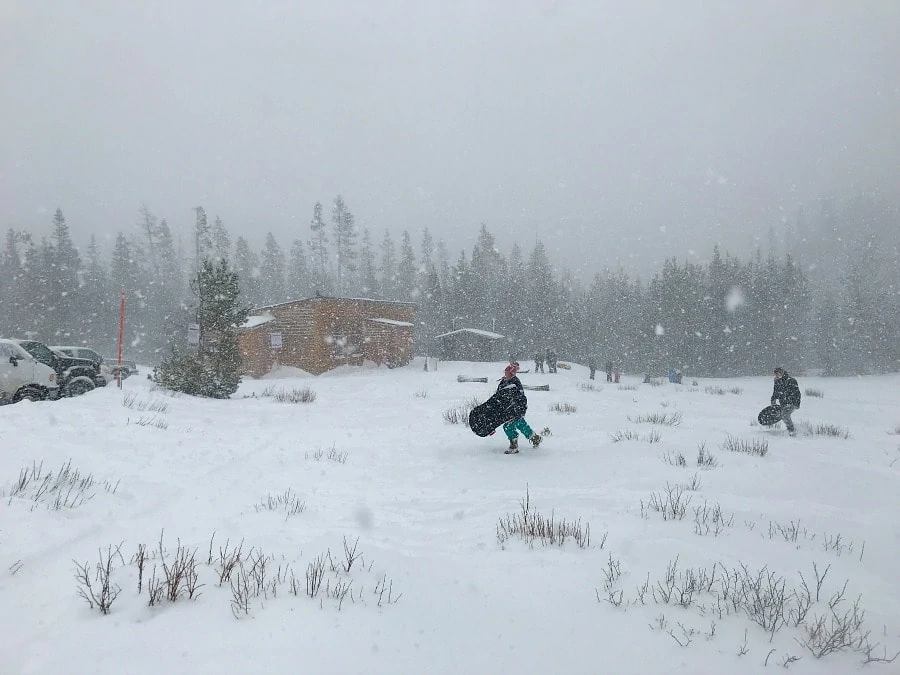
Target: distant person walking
<point>787,393</point>
<point>609,371</point>
<point>592,366</point>
<point>538,362</point>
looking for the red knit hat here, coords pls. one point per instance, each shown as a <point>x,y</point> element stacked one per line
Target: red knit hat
<point>511,369</point>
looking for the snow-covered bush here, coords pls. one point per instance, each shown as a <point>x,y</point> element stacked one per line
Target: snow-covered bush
<point>671,419</point>
<point>529,525</point>
<point>756,446</point>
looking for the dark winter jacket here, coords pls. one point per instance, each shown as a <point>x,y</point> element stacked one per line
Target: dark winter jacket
<point>513,395</point>
<point>786,391</point>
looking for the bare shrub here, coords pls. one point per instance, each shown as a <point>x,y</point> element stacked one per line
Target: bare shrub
<point>333,454</point>
<point>287,502</point>
<point>756,446</point>
<point>150,421</point>
<point>295,395</point>
<point>228,560</point>
<point>566,408</point>
<point>131,401</point>
<point>529,525</point>
<point>67,488</point>
<point>337,456</point>
<point>735,390</point>
<point>315,575</point>
<point>180,576</point>
<point>822,429</point>
<point>589,386</point>
<point>705,459</point>
<point>718,391</point>
<point>421,393</point>
<point>656,382</point>
<point>693,485</point>
<point>710,520</point>
<point>675,459</point>
<point>460,414</point>
<point>631,435</point>
<point>627,387</point>
<point>895,431</point>
<point>814,393</point>
<point>671,503</point>
<point>104,594</point>
<point>671,419</point>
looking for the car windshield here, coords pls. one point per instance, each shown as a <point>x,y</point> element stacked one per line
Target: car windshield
<point>39,351</point>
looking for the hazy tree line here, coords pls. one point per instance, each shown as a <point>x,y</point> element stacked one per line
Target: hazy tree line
<point>823,293</point>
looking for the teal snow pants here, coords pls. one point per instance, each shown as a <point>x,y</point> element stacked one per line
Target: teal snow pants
<point>511,429</point>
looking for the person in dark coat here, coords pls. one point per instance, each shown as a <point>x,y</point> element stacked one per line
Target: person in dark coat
<point>551,360</point>
<point>512,392</point>
<point>592,366</point>
<point>539,362</point>
<point>787,393</point>
<point>609,371</point>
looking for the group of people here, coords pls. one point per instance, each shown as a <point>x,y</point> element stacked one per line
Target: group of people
<point>786,394</point>
<point>612,374</point>
<point>548,356</point>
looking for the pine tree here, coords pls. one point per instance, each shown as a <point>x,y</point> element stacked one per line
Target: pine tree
<point>220,241</point>
<point>271,272</point>
<point>388,268</point>
<point>368,277</point>
<point>13,288</point>
<point>298,272</point>
<point>318,247</point>
<point>97,312</point>
<point>215,370</point>
<point>344,243</point>
<point>202,240</point>
<point>406,271</point>
<point>246,265</point>
<point>64,278</point>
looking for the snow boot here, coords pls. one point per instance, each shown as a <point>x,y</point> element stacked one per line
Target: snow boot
<point>536,440</point>
<point>513,447</point>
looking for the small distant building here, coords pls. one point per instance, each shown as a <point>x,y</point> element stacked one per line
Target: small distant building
<point>318,334</point>
<point>472,344</point>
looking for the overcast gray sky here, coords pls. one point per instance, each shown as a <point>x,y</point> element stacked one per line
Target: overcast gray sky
<point>612,129</point>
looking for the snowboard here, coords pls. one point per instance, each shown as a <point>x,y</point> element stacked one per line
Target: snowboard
<point>485,418</point>
<point>769,415</point>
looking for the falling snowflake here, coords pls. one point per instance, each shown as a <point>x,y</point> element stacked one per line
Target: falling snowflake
<point>734,300</point>
<point>660,330</point>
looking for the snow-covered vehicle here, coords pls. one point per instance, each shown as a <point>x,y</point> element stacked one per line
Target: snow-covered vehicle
<point>128,367</point>
<point>74,376</point>
<point>89,354</point>
<point>24,377</point>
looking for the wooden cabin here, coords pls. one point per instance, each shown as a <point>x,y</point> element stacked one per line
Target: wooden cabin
<point>319,334</point>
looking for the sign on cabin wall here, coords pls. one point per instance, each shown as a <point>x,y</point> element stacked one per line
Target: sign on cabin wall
<point>275,340</point>
<point>193,334</point>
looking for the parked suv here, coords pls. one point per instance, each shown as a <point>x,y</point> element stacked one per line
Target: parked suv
<point>90,355</point>
<point>74,376</point>
<point>22,376</point>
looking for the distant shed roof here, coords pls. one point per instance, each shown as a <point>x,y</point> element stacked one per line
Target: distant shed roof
<point>475,331</point>
<point>392,322</point>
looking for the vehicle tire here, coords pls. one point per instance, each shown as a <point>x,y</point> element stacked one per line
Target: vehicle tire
<point>30,393</point>
<point>78,386</point>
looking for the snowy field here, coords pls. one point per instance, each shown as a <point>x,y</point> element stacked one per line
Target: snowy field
<point>712,582</point>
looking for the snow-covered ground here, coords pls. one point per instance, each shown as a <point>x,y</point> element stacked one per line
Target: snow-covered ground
<point>435,591</point>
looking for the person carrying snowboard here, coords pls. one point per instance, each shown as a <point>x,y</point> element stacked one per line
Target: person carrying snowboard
<point>787,393</point>
<point>513,395</point>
